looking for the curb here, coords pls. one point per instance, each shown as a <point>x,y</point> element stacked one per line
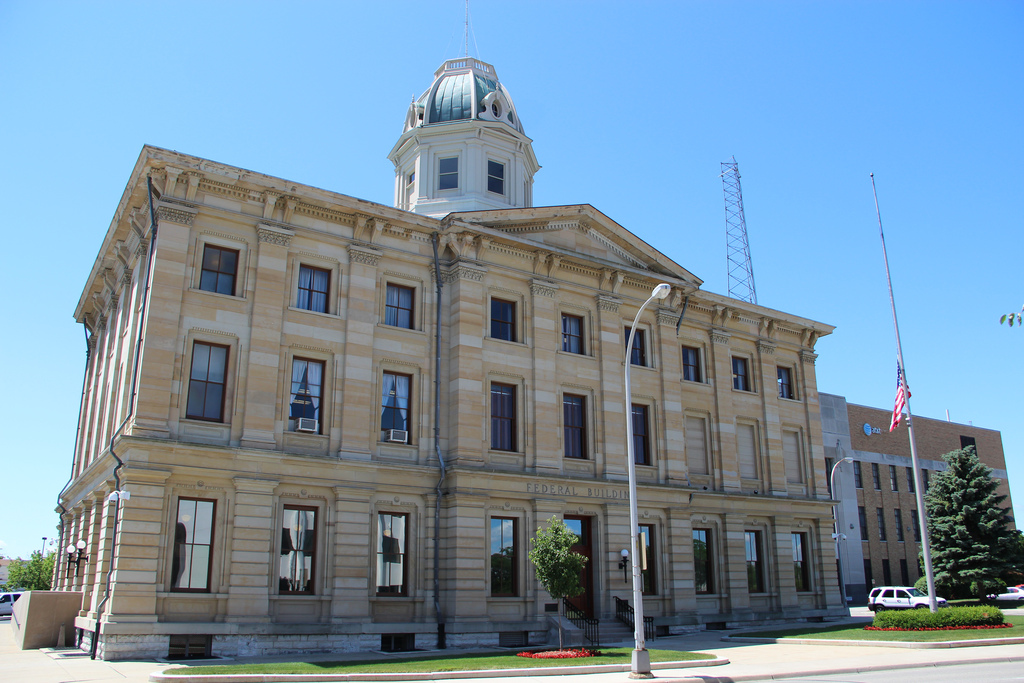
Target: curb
<point>938,645</point>
<point>836,671</point>
<point>164,677</point>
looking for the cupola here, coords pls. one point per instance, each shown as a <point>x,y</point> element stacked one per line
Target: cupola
<point>462,146</point>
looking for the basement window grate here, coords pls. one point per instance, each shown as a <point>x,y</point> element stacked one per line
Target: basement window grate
<point>190,646</point>
<point>397,642</point>
<point>513,639</point>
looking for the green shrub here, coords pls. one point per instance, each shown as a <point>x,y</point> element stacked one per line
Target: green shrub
<point>946,617</point>
<point>922,585</point>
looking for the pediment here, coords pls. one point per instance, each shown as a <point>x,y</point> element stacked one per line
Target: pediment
<point>582,231</point>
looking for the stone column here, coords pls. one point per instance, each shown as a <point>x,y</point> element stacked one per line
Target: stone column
<point>733,549</point>
<point>262,360</point>
<point>250,555</point>
<point>359,403</point>
<point>104,532</point>
<point>782,556</point>
<point>680,586</point>
<point>468,395</point>
<point>611,410</point>
<point>724,422</point>
<point>814,440</point>
<point>168,284</point>
<point>546,413</point>
<point>467,584</point>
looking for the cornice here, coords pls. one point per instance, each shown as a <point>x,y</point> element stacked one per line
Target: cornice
<point>720,337</point>
<point>766,348</point>
<point>464,271</point>
<point>543,288</point>
<point>177,213</point>
<point>608,303</point>
<point>808,357</point>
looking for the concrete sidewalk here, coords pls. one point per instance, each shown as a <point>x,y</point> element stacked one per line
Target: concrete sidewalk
<point>746,662</point>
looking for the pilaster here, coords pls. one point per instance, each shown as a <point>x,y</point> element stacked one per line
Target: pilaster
<point>546,412</point>
<point>467,390</point>
<point>352,570</point>
<point>358,380</point>
<point>262,364</point>
<point>467,557</point>
<point>725,425</point>
<point>773,457</point>
<point>669,358</point>
<point>734,551</point>
<point>252,543</point>
<point>612,410</point>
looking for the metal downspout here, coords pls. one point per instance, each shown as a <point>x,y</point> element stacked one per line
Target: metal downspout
<point>120,428</point>
<point>78,433</point>
<point>441,644</point>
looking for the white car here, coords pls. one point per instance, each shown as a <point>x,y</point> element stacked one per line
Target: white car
<point>1012,594</point>
<point>7,601</point>
<point>898,597</point>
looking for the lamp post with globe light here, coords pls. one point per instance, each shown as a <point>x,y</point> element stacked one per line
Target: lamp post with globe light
<point>838,535</point>
<point>641,661</point>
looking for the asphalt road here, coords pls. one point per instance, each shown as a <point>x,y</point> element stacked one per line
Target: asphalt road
<point>963,673</point>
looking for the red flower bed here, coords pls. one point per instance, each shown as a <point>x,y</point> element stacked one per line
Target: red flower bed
<point>561,654</point>
<point>948,628</point>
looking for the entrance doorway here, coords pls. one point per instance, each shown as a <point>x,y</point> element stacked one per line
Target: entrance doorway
<point>582,527</point>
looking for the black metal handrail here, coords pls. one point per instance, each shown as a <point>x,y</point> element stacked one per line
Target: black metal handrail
<point>624,613</point>
<point>591,627</point>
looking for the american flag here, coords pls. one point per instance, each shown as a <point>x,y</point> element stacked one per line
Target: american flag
<point>901,399</point>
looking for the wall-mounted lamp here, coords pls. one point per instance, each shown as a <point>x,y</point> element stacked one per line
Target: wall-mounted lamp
<point>624,564</point>
<point>76,555</point>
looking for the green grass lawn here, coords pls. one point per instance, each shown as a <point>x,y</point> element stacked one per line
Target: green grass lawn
<point>847,632</point>
<point>428,663</point>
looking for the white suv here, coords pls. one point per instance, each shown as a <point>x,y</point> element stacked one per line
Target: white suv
<point>898,597</point>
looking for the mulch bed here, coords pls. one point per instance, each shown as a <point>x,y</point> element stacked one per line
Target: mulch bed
<point>947,628</point>
<point>561,654</point>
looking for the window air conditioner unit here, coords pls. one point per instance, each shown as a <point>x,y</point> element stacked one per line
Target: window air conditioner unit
<point>397,436</point>
<point>307,424</point>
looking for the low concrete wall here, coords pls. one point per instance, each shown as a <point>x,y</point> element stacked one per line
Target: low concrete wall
<point>38,616</point>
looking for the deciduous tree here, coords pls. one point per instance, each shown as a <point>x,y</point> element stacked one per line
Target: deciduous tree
<point>32,574</point>
<point>558,567</point>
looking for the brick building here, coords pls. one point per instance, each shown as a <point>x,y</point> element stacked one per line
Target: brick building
<point>878,508</point>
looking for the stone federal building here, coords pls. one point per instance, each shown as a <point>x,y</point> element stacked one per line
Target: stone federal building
<point>878,506</point>
<point>345,421</point>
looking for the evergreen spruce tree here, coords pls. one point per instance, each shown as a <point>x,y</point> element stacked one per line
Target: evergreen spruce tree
<point>970,534</point>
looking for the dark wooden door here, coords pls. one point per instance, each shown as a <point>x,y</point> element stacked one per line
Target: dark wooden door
<point>583,528</point>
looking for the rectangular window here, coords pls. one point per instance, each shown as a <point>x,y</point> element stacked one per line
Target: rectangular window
<point>575,425</point>
<point>641,438</point>
<point>398,306</point>
<point>875,477</point>
<point>495,177</point>
<point>696,445</point>
<point>786,383</point>
<point>791,456</point>
<point>755,567</point>
<point>503,417</point>
<point>504,557</point>
<point>220,267</point>
<point>394,402</point>
<point>647,559</point>
<point>702,555</point>
<point>638,354</point>
<point>314,284</point>
<point>746,447</point>
<point>904,572</point>
<point>572,333</point>
<point>969,442</point>
<point>691,364</point>
<point>910,480</point>
<point>801,564</point>
<point>503,319</point>
<point>193,545</point>
<point>448,173</point>
<point>207,382</point>
<point>858,477</point>
<point>306,395</point>
<point>880,513</point>
<point>886,573</point>
<point>829,464</point>
<point>391,537</point>
<point>915,522</point>
<point>862,517</point>
<point>894,482</point>
<point>925,477</point>
<point>869,578</point>
<point>740,376</point>
<point>298,550</point>
<point>898,516</point>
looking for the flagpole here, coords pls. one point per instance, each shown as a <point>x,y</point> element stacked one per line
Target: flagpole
<point>922,515</point>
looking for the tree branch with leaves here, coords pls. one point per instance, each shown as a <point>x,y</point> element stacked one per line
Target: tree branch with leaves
<point>558,566</point>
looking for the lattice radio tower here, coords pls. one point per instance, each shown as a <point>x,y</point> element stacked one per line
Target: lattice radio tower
<point>741,272</point>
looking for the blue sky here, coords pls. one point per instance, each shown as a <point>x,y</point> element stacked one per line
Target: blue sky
<point>632,107</point>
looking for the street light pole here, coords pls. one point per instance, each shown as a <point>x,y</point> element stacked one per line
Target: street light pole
<point>838,535</point>
<point>641,662</point>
